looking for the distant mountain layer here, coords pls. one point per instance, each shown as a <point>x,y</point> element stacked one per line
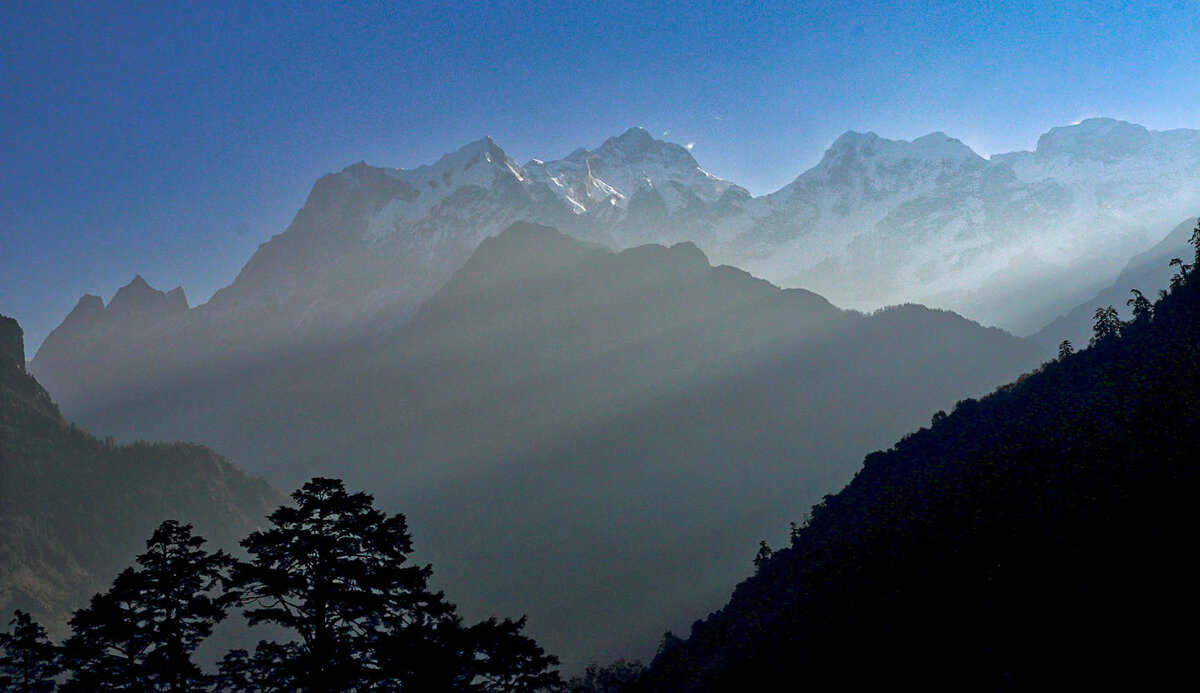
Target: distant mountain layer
<point>1148,272</point>
<point>1013,241</point>
<point>75,510</point>
<point>589,437</point>
<point>1032,540</point>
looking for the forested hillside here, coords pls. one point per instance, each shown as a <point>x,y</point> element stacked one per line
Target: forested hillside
<point>75,509</point>
<point>1035,538</point>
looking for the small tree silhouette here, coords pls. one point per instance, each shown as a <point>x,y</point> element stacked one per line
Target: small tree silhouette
<point>764,554</point>
<point>1195,241</point>
<point>30,661</point>
<point>333,570</point>
<point>142,633</point>
<point>1108,324</point>
<point>1143,309</point>
<point>1065,349</point>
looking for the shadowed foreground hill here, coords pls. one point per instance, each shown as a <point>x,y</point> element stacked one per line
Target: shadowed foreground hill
<point>588,437</point>
<point>74,509</point>
<point>1035,539</point>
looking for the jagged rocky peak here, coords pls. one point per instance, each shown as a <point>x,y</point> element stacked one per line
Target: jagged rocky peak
<point>603,180</point>
<point>139,297</point>
<point>636,144</point>
<point>451,169</point>
<point>89,306</point>
<point>1101,139</point>
<point>12,345</point>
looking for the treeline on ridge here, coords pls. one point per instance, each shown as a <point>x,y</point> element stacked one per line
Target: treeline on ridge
<point>1035,538</point>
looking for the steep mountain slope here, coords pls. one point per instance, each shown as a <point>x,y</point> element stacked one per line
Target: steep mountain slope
<point>586,436</point>
<point>1034,539</point>
<point>1148,272</point>
<point>74,510</point>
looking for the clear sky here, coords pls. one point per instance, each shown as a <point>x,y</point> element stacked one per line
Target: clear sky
<point>171,138</point>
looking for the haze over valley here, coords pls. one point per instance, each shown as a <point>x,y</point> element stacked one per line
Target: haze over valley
<point>598,418</point>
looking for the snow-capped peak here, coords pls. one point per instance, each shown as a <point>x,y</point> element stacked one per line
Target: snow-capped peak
<point>480,164</point>
<point>1095,138</point>
<point>936,146</point>
<point>624,166</point>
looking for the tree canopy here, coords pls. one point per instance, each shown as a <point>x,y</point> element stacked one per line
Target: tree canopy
<point>331,572</point>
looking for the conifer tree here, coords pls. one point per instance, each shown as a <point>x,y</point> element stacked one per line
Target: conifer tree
<point>333,570</point>
<point>141,634</point>
<point>29,661</point>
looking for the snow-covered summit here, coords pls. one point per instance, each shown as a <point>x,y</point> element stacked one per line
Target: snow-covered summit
<point>936,146</point>
<point>1103,139</point>
<point>633,164</point>
<point>427,190</point>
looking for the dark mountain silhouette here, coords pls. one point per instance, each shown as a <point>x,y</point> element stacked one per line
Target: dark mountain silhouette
<point>1034,539</point>
<point>1148,272</point>
<point>74,509</point>
<point>589,437</point>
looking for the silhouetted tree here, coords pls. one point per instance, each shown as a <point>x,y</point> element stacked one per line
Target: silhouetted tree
<point>1108,324</point>
<point>29,661</point>
<point>1195,241</point>
<point>142,633</point>
<point>333,570</point>
<point>1180,278</point>
<point>763,555</point>
<point>1143,309</point>
<point>271,669</point>
<point>505,661</point>
<point>1065,349</point>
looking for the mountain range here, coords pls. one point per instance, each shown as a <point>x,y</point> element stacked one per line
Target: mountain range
<point>1012,241</point>
<point>587,436</point>
<point>547,405</point>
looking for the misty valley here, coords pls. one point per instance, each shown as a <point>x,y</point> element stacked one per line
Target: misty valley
<point>601,423</point>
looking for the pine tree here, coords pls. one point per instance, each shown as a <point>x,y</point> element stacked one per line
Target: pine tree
<point>333,570</point>
<point>505,661</point>
<point>142,633</point>
<point>30,661</point>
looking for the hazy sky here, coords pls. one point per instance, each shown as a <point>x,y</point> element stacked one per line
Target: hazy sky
<point>171,138</point>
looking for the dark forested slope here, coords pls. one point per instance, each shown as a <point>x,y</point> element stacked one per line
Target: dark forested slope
<point>1035,538</point>
<point>74,509</point>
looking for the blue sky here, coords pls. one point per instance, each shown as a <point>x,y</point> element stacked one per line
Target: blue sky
<point>171,138</point>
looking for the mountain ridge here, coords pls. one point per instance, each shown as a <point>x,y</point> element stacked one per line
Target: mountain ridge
<point>519,417</point>
<point>1012,240</point>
